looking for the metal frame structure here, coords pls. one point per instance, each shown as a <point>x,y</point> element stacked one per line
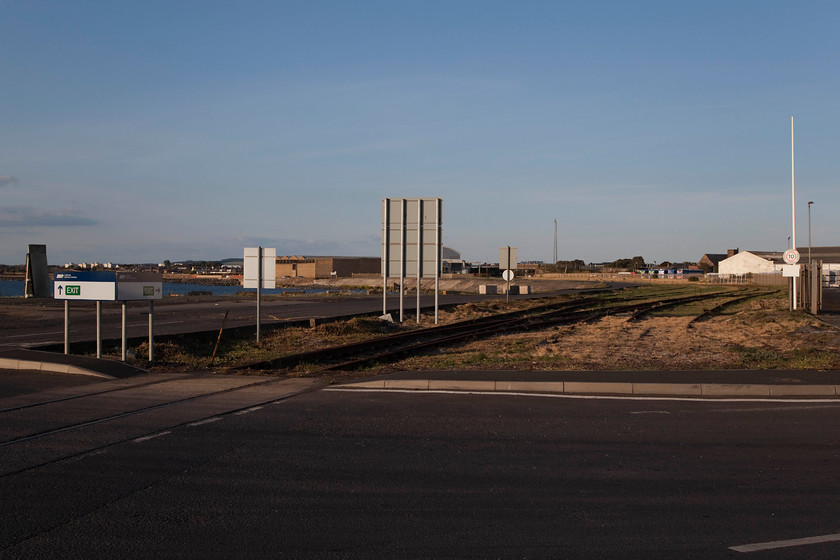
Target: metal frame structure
<point>412,245</point>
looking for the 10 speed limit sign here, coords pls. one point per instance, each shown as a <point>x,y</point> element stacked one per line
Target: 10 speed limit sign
<point>791,256</point>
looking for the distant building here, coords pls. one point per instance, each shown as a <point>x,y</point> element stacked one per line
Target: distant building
<point>325,267</point>
<point>820,254</point>
<point>711,260</point>
<point>751,262</point>
<point>452,263</point>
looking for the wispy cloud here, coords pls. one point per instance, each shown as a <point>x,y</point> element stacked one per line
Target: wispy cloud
<point>28,216</point>
<point>8,181</point>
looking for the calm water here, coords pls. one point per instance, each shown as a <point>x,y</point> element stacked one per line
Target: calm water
<point>14,288</point>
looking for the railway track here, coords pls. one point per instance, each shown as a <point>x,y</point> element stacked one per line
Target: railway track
<point>394,347</point>
<point>721,306</point>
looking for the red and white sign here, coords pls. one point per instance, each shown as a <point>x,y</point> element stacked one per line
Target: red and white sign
<point>791,256</point>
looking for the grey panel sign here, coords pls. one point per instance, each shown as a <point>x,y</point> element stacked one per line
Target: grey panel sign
<point>412,235</point>
<point>507,258</point>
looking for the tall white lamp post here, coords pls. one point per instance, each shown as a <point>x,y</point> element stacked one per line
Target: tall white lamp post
<point>810,202</point>
<point>793,210</point>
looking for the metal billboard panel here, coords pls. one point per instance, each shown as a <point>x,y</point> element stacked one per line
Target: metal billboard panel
<point>412,237</point>
<point>251,266</point>
<point>507,258</point>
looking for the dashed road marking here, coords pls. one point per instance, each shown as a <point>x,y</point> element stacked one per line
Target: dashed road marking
<point>206,421</point>
<point>247,410</point>
<point>153,436</point>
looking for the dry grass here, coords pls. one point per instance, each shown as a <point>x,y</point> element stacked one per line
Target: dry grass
<point>759,333</point>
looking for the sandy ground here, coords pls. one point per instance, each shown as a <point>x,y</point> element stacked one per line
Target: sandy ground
<point>757,334</point>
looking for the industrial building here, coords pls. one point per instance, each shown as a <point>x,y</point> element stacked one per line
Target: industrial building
<point>749,262</point>
<point>758,262</point>
<point>325,267</point>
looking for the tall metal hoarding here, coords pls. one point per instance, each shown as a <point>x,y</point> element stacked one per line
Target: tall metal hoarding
<point>37,283</point>
<point>412,244</point>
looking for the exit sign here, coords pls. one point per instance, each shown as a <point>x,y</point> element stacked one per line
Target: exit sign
<point>84,285</point>
<point>107,285</point>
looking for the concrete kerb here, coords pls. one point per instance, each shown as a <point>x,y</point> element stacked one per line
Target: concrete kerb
<point>29,365</point>
<point>710,390</point>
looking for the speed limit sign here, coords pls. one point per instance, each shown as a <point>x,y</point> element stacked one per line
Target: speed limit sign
<point>791,256</point>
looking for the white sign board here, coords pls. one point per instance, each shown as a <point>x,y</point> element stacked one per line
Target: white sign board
<point>251,267</point>
<point>94,291</point>
<point>791,270</point>
<point>85,285</point>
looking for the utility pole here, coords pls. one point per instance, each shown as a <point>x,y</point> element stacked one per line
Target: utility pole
<point>555,242</point>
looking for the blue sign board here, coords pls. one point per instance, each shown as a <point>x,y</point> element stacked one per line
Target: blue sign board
<point>87,276</point>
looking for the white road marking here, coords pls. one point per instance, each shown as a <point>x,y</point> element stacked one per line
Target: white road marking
<point>708,400</point>
<point>247,410</point>
<point>153,436</point>
<point>774,408</point>
<point>206,421</point>
<point>785,544</point>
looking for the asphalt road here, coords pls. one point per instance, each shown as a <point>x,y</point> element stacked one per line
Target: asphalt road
<point>337,474</point>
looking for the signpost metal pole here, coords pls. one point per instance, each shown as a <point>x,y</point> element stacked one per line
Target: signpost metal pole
<point>98,329</point>
<point>123,331</point>
<point>66,326</point>
<point>386,241</point>
<point>419,253</point>
<point>259,287</point>
<point>402,257</point>
<point>151,331</point>
<point>437,256</point>
<point>507,276</point>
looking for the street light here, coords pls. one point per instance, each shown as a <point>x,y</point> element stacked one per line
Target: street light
<point>810,202</point>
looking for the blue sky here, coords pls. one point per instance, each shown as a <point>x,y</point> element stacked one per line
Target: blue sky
<point>144,131</point>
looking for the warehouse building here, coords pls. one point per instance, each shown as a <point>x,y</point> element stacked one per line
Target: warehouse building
<point>750,262</point>
<point>325,267</point>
